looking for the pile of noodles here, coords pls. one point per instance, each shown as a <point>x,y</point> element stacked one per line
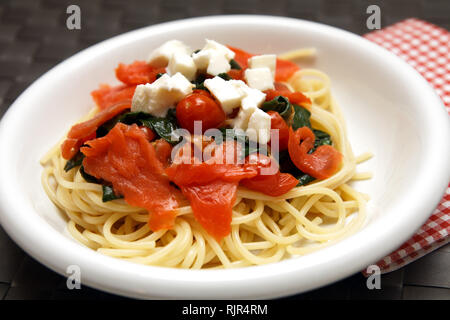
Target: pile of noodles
<point>264,229</point>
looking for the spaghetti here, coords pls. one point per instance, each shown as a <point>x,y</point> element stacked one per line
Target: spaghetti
<point>264,229</point>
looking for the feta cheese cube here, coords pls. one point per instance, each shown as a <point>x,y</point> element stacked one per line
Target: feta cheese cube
<point>259,78</point>
<point>264,61</point>
<point>244,114</point>
<point>158,97</point>
<point>238,84</point>
<point>214,58</point>
<point>259,127</point>
<point>211,61</point>
<point>182,63</point>
<point>160,56</point>
<point>180,85</point>
<point>141,98</point>
<point>201,59</point>
<point>218,63</point>
<point>228,94</point>
<point>253,97</point>
<point>215,46</point>
<point>252,100</point>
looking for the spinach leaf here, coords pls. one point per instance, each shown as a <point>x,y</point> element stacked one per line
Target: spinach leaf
<point>201,86</point>
<point>322,138</point>
<point>234,65</point>
<point>74,162</point>
<point>133,117</point>
<point>279,104</point>
<point>126,117</point>
<point>224,76</point>
<point>248,146</point>
<point>159,75</point>
<point>88,177</point>
<point>199,82</point>
<point>231,134</point>
<point>304,179</point>
<point>287,166</point>
<point>250,149</point>
<point>301,117</point>
<point>163,128</point>
<point>108,125</point>
<point>109,194</point>
<point>172,115</point>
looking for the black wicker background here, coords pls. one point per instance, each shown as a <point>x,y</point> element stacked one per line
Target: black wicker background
<point>34,38</point>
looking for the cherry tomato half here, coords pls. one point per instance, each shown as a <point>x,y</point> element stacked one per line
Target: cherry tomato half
<point>199,107</point>
<point>203,92</point>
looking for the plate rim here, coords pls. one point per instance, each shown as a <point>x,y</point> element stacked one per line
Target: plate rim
<point>173,278</point>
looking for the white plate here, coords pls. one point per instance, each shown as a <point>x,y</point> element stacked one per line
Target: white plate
<point>390,110</point>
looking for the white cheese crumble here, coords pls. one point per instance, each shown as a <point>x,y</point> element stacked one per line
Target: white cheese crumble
<point>227,93</point>
<point>182,63</point>
<point>259,126</point>
<point>160,56</point>
<point>158,97</point>
<point>264,61</point>
<point>214,58</point>
<point>259,78</point>
<point>252,100</point>
<point>235,93</point>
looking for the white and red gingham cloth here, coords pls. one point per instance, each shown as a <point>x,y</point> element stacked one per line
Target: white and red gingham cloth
<point>425,47</point>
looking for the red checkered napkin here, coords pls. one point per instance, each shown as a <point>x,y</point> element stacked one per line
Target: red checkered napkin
<point>426,48</point>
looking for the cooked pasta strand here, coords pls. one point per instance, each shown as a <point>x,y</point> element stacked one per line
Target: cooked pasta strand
<point>264,229</point>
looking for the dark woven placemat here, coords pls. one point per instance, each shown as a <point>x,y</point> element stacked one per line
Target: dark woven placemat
<point>34,38</point>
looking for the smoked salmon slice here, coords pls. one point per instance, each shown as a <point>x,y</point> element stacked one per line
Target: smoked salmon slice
<point>107,96</point>
<point>211,189</point>
<point>84,131</point>
<point>126,159</point>
<point>138,72</point>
